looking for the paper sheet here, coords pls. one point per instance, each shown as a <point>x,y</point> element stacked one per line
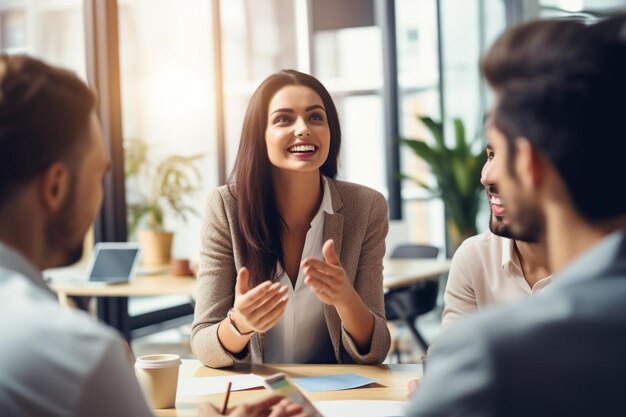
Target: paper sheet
<point>332,382</point>
<point>360,408</point>
<point>215,384</point>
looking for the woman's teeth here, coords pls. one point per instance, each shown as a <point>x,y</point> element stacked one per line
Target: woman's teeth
<point>302,148</point>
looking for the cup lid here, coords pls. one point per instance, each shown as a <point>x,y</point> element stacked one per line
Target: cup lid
<point>157,361</point>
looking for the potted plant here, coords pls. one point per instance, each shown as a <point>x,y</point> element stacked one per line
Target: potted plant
<point>457,173</point>
<point>155,189</point>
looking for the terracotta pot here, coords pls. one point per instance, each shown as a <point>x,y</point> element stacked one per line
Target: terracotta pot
<point>157,247</point>
<point>180,268</point>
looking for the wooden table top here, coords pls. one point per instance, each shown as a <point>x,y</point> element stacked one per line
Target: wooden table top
<point>144,285</point>
<point>400,273</point>
<point>397,274</point>
<point>391,385</point>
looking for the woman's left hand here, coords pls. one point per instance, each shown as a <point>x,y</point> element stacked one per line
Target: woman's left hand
<point>328,280</point>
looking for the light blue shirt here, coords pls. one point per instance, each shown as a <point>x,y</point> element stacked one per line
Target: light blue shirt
<point>56,361</point>
<point>560,353</point>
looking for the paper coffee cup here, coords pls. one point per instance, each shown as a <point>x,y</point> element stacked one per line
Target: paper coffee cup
<point>158,377</point>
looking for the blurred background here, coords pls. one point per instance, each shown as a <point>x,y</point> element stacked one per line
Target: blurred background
<point>174,78</point>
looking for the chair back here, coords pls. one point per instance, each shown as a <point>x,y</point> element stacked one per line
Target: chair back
<point>414,251</point>
<point>419,298</point>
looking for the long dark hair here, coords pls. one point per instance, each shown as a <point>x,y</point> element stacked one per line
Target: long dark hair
<point>251,179</point>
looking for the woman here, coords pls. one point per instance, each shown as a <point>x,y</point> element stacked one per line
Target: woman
<point>291,259</point>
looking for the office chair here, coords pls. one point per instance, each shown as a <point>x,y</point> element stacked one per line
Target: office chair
<point>408,303</point>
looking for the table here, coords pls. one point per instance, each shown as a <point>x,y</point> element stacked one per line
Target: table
<point>392,383</point>
<point>113,299</point>
<point>141,286</point>
<point>400,273</point>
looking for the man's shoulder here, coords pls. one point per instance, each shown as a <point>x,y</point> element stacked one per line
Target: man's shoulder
<point>483,241</point>
<point>42,329</point>
<point>485,246</point>
<point>46,342</point>
<point>548,317</point>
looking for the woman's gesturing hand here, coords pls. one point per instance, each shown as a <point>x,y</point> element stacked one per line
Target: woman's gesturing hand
<point>257,309</point>
<point>328,279</point>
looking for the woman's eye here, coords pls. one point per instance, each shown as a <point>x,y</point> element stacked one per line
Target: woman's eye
<point>281,120</point>
<point>316,116</point>
<point>489,156</point>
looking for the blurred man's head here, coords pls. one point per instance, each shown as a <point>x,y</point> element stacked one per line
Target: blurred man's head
<point>558,121</point>
<point>51,153</point>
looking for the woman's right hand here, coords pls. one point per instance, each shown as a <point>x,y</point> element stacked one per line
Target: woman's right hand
<point>257,309</point>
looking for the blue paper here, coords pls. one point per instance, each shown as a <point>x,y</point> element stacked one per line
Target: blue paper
<point>332,382</point>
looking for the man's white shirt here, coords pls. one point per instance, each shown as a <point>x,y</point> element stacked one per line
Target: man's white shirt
<point>485,271</point>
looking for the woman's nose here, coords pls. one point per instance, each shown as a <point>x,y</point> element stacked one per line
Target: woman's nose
<point>301,129</point>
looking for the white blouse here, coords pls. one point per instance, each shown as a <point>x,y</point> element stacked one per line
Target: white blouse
<point>301,334</point>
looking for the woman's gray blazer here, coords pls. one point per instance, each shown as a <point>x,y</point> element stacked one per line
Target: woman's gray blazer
<point>358,226</point>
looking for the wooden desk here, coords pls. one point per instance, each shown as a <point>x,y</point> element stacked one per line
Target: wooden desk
<point>392,383</point>
<point>397,274</point>
<point>400,273</point>
<point>141,286</point>
<point>112,299</point>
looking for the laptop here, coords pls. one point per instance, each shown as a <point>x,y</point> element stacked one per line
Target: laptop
<point>111,263</point>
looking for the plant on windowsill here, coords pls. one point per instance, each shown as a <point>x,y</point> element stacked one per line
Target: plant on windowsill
<point>457,173</point>
<point>154,190</point>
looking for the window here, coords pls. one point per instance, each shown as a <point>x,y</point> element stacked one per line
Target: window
<point>166,70</point>
<point>47,29</point>
<point>591,9</point>
<point>348,61</point>
<point>467,29</point>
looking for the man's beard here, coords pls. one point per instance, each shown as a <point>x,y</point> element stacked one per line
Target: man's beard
<point>530,228</point>
<point>61,233</point>
<point>526,226</point>
<point>498,227</point>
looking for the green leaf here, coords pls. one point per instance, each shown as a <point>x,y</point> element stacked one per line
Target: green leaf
<point>419,183</point>
<point>459,130</point>
<point>436,129</point>
<point>456,170</point>
<point>423,150</point>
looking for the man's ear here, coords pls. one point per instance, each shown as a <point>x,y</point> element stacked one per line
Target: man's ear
<point>54,186</point>
<point>529,164</point>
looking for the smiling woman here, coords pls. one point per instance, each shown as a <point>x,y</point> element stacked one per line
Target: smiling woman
<point>278,282</point>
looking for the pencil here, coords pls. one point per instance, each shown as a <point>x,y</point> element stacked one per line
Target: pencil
<point>225,407</point>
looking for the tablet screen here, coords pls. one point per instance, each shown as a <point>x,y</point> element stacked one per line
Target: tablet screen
<point>113,264</point>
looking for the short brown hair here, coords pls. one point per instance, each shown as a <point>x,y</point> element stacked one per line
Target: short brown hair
<point>44,113</point>
<point>562,85</point>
